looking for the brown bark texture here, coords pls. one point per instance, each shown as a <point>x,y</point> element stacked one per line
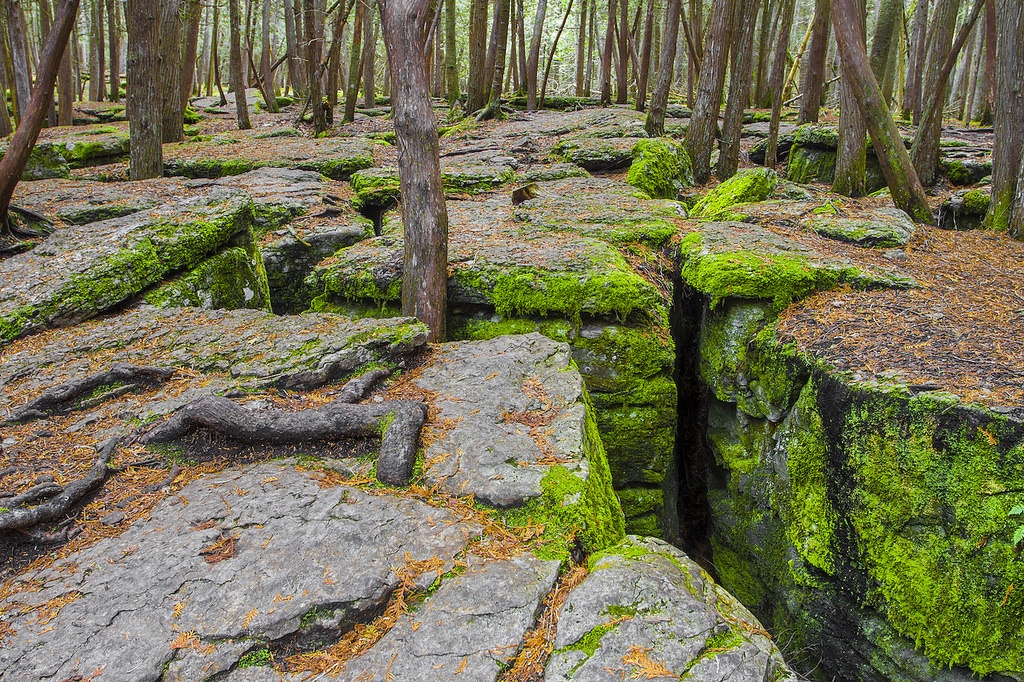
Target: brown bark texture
<point>851,153</point>
<point>700,137</point>
<point>1007,154</point>
<point>424,216</point>
<point>170,71</point>
<point>143,106</point>
<point>904,185</point>
<point>926,143</point>
<point>655,122</point>
<point>739,88</point>
<point>814,74</point>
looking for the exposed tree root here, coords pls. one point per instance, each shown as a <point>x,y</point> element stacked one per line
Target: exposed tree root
<point>61,397</point>
<point>61,502</point>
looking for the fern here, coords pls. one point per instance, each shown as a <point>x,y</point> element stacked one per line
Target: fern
<point>1018,535</point>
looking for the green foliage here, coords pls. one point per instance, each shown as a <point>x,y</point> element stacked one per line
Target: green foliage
<point>1018,533</point>
<point>256,657</point>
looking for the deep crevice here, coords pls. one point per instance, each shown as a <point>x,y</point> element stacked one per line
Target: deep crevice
<point>691,449</point>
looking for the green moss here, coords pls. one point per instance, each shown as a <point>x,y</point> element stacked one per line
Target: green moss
<point>780,278</point>
<point>277,132</point>
<point>337,168</point>
<point>232,279</point>
<point>736,575</point>
<point>657,168</point>
<point>749,185</point>
<point>256,657</point>
<point>208,167</point>
<point>976,202</point>
<point>190,116</point>
<point>573,509</point>
<point>374,187</point>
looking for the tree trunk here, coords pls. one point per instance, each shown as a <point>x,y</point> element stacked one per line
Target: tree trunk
<point>169,75</point>
<point>45,22</point>
<point>295,71</point>
<point>215,53</point>
<point>476,87</point>
<point>335,55</point>
<point>739,87</point>
<point>16,158</point>
<point>906,189</point>
<point>776,84</point>
<point>654,124</point>
<point>606,55</point>
<point>1004,213</point>
<point>622,65</point>
<point>851,154</point>
<point>499,42</point>
<point>425,219</point>
<point>20,63</point>
<point>890,15</point>
<point>96,52</point>
<point>533,58</point>
<point>190,46</point>
<point>451,57</point>
<point>551,52</point>
<point>926,143</point>
<point>370,60</point>
<point>645,58</point>
<point>700,136</point>
<point>915,66</point>
<point>769,24</point>
<point>266,59</point>
<point>352,90</point>
<point>314,33</point>
<point>65,91</point>
<point>988,84</point>
<point>581,49</point>
<point>114,45</point>
<point>144,114</point>
<point>814,75</point>
<point>241,105</point>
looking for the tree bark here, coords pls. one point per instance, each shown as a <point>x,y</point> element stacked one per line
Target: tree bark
<point>476,87</point>
<point>700,136</point>
<point>606,55</point>
<point>906,189</point>
<point>533,58</point>
<point>45,22</point>
<point>170,71</point>
<point>645,58</point>
<point>14,160</point>
<point>20,63</point>
<point>739,88</point>
<point>776,85</point>
<point>145,150</point>
<point>425,219</point>
<point>1004,213</point>
<point>96,57</point>
<point>814,75</point>
<point>915,65</point>
<point>241,105</point>
<point>925,151</point>
<point>890,14</point>
<point>581,48</point>
<point>114,46</point>
<point>65,91</point>
<point>352,89</point>
<point>370,60</point>
<point>851,154</point>
<point>295,70</point>
<point>499,41</point>
<point>266,59</point>
<point>193,13</point>
<point>926,143</point>
<point>451,58</point>
<point>622,64</point>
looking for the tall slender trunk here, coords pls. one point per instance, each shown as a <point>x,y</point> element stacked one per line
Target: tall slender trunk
<point>700,136</point>
<point>502,10</point>
<point>1004,212</point>
<point>143,100</point>
<point>926,143</point>
<point>45,22</point>
<point>241,105</point>
<point>425,219</point>
<point>904,185</point>
<point>645,58</point>
<point>352,89</point>
<point>551,52</point>
<point>370,59</point>
<point>314,33</point>
<point>476,87</point>
<point>295,71</point>
<point>851,156</point>
<point>20,62</point>
<point>768,25</point>
<point>451,57</point>
<point>989,82</point>
<point>775,80</point>
<point>739,87</point>
<point>606,55</point>
<point>915,67</point>
<point>96,51</point>
<point>65,90</point>
<point>581,48</point>
<point>169,73</point>
<point>890,14</point>
<point>814,75</point>
<point>114,46</point>
<point>588,77</point>
<point>191,16</point>
<point>266,59</point>
<point>622,65</point>
<point>533,58</point>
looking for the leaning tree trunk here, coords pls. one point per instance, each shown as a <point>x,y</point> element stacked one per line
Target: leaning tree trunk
<point>145,151</point>
<point>655,123</point>
<point>814,75</point>
<point>906,189</point>
<point>739,88</point>
<point>851,154</point>
<point>700,137</point>
<point>1004,213</point>
<point>551,53</point>
<point>20,147</point>
<point>241,105</point>
<point>425,267</point>
<point>926,143</point>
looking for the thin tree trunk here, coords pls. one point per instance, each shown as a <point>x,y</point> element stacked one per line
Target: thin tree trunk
<point>814,75</point>
<point>739,87</point>
<point>169,74</point>
<point>65,91</point>
<point>904,185</point>
<point>776,84</point>
<point>976,77</point>
<point>241,105</point>
<point>654,124</point>
<point>890,14</point>
<point>352,91</point>
<point>20,63</point>
<point>451,58</point>
<point>370,59</point>
<point>588,77</point>
<point>622,65</point>
<point>266,59</point>
<point>581,49</point>
<point>521,37</point>
<point>499,41</point>
<point>1007,156</point>
<point>45,22</point>
<point>851,154</point>
<point>16,158</point>
<point>114,46</point>
<point>193,12</point>
<point>295,70</point>
<point>144,113</point>
<point>533,58</point>
<point>700,136</point>
<point>606,55</point>
<point>476,87</point>
<point>425,219</point>
<point>96,52</point>
<point>925,152</point>
<point>989,82</point>
<point>215,53</point>
<point>314,33</point>
<point>551,52</point>
<point>915,67</point>
<point>645,58</point>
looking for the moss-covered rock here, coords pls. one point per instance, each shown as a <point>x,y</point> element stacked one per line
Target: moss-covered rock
<point>747,186</point>
<point>46,160</point>
<point>660,168</point>
<point>596,153</point>
<point>887,227</point>
<point>965,210</point>
<point>232,279</point>
<point>966,171</point>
